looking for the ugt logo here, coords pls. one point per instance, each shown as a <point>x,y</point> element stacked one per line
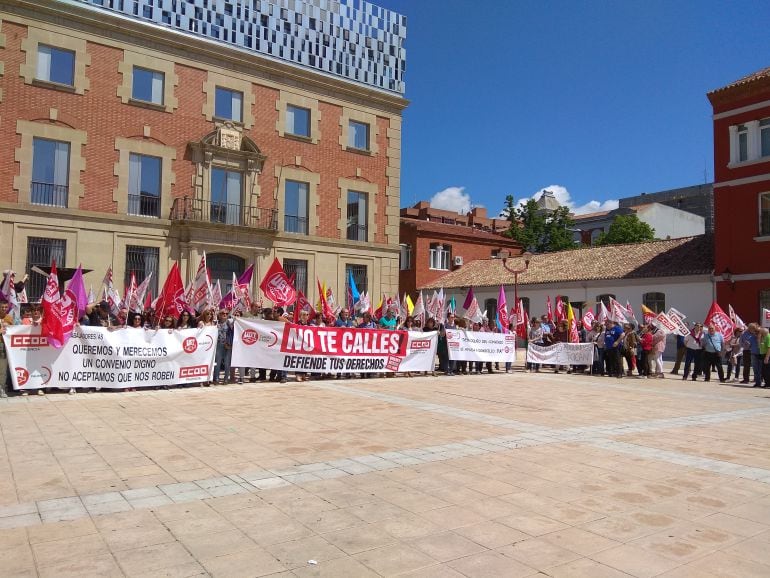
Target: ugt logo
<point>190,345</point>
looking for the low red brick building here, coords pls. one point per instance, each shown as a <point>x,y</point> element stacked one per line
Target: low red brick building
<point>742,193</point>
<point>435,242</point>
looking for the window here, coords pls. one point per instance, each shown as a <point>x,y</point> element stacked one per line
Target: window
<point>405,257</point>
<point>142,262</point>
<point>604,298</point>
<point>525,303</point>
<point>50,172</point>
<point>490,306</point>
<point>358,135</point>
<point>226,194</point>
<point>440,256</point>
<point>144,185</point>
<point>743,142</point>
<point>222,266</point>
<point>764,137</point>
<point>147,85</point>
<point>764,214</point>
<point>298,268</point>
<point>357,229</point>
<point>655,301</point>
<point>359,278</point>
<point>55,65</point>
<point>41,253</point>
<point>297,121</point>
<point>228,104</point>
<point>296,198</point>
<point>764,303</point>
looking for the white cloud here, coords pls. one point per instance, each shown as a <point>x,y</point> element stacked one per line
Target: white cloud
<point>565,198</point>
<point>452,199</point>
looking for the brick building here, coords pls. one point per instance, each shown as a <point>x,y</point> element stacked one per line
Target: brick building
<point>137,135</point>
<point>436,241</point>
<point>742,193</point>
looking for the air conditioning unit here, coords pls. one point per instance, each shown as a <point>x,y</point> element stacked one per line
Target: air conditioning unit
<point>458,261</point>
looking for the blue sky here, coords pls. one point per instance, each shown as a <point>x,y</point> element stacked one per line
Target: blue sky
<point>601,99</point>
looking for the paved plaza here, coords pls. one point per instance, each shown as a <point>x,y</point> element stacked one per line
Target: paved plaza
<point>492,475</point>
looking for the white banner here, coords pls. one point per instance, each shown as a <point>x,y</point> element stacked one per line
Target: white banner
<point>561,354</point>
<point>289,347</point>
<point>481,345</point>
<point>118,358</point>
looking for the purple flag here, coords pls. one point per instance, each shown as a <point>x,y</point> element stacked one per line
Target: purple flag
<point>468,299</point>
<point>229,300</point>
<point>77,288</point>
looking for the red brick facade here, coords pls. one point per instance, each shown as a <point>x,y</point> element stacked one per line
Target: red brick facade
<point>742,267</point>
<point>423,227</point>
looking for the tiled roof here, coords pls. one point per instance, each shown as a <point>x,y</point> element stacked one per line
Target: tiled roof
<point>668,258</point>
<point>758,75</point>
<point>457,230</point>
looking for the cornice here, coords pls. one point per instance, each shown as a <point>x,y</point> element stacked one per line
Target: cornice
<point>182,46</point>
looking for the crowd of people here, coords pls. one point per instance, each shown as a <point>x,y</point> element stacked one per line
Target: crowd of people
<point>627,350</point>
<point>620,349</point>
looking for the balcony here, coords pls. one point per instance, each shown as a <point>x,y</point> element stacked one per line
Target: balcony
<point>201,211</point>
<point>144,205</point>
<point>358,232</point>
<point>294,224</point>
<point>49,194</point>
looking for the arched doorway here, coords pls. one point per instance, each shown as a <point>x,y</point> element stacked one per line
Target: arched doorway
<point>222,266</point>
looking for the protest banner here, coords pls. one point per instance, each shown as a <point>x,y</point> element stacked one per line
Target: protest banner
<point>110,359</point>
<point>290,347</point>
<point>561,354</point>
<point>481,346</point>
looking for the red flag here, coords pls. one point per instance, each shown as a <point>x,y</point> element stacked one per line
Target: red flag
<point>52,321</point>
<point>560,315</point>
<point>171,300</point>
<point>721,321</point>
<point>302,304</point>
<point>522,322</point>
<point>588,320</point>
<point>277,287</point>
<point>327,312</point>
<point>549,311</point>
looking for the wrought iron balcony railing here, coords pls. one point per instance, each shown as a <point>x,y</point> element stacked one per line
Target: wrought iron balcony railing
<point>49,194</point>
<point>198,210</point>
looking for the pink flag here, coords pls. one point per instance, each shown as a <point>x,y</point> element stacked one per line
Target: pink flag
<point>77,289</point>
<point>588,320</point>
<point>468,299</point>
<point>502,309</point>
<point>242,283</point>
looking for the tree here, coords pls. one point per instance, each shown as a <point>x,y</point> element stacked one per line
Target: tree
<point>537,230</point>
<point>626,229</point>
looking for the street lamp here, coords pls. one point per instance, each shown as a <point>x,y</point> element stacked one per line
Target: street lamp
<point>505,255</point>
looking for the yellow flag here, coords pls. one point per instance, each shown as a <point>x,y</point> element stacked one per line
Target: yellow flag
<point>409,305</point>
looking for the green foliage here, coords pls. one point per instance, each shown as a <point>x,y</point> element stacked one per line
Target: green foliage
<point>538,231</point>
<point>626,229</point>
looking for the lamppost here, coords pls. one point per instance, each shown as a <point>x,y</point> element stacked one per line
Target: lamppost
<point>505,255</point>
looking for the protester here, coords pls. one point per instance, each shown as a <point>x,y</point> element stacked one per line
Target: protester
<point>185,321</point>
<point>645,339</point>
<point>279,374</point>
<point>713,348</point>
<point>694,353</point>
<point>763,344</point>
<point>224,347</point>
<point>747,338</point>
<point>658,347</point>
<point>734,354</point>
<point>561,335</point>
<point>613,337</point>
<point>628,348</point>
<point>535,336</point>
<point>680,353</point>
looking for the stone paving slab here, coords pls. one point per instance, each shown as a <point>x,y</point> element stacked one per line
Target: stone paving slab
<point>494,475</point>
